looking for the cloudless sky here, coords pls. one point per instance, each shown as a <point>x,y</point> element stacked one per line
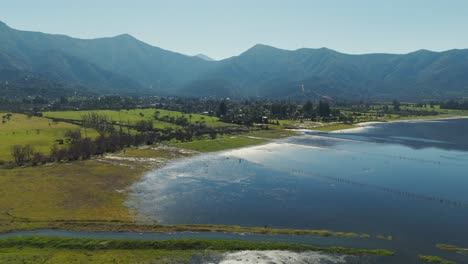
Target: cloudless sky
<point>224,28</point>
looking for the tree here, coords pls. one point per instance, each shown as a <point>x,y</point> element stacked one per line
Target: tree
<point>38,158</point>
<point>100,122</point>
<point>144,125</point>
<point>323,109</point>
<point>22,154</point>
<point>222,109</point>
<point>396,105</point>
<point>308,109</point>
<point>156,114</point>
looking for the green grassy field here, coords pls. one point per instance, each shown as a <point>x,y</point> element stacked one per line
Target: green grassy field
<point>38,132</point>
<point>134,115</point>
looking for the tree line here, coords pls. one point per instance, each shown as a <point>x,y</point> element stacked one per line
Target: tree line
<point>113,137</point>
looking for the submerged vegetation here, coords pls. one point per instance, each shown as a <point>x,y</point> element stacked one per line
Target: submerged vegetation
<point>452,248</point>
<point>435,259</point>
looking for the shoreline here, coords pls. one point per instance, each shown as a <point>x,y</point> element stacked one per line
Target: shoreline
<point>367,124</point>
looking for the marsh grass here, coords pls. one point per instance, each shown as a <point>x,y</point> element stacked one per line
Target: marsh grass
<point>82,190</point>
<point>179,244</point>
<point>28,255</point>
<point>435,259</point>
<point>452,248</point>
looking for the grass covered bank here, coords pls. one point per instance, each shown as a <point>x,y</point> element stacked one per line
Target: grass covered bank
<point>130,226</point>
<point>50,250</point>
<point>178,244</point>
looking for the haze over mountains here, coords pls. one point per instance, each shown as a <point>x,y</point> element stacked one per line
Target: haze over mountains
<point>33,63</point>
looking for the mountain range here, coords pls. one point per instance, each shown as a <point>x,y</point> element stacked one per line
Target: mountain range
<point>34,63</point>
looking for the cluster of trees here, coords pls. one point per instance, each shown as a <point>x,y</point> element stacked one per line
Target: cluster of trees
<point>6,118</point>
<point>178,120</point>
<point>230,109</point>
<point>456,105</point>
<point>112,139</point>
<point>249,113</point>
<point>101,123</point>
<point>80,148</point>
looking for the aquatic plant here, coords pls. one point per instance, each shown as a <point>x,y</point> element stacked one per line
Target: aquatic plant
<point>435,259</point>
<point>452,248</point>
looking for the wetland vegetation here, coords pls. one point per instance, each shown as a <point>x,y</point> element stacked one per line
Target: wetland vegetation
<point>29,250</point>
<point>435,259</point>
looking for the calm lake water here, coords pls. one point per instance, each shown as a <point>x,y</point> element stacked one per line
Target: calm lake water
<point>408,180</point>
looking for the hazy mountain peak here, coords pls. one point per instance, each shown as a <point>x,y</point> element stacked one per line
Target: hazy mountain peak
<point>262,47</point>
<point>422,51</point>
<point>204,57</point>
<point>125,36</point>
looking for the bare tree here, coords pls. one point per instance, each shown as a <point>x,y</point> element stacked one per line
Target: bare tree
<point>22,154</point>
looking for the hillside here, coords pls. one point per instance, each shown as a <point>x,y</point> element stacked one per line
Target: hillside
<point>125,65</point>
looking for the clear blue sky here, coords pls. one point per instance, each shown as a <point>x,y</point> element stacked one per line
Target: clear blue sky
<point>224,28</point>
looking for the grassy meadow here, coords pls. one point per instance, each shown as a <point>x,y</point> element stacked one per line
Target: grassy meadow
<point>134,115</point>
<point>38,132</point>
<point>91,190</point>
<point>70,191</point>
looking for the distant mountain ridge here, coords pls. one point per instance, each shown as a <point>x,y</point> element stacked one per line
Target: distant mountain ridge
<point>127,66</point>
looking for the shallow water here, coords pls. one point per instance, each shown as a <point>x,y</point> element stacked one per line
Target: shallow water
<point>408,180</point>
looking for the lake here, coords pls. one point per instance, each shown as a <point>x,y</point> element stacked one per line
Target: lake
<point>408,180</point>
